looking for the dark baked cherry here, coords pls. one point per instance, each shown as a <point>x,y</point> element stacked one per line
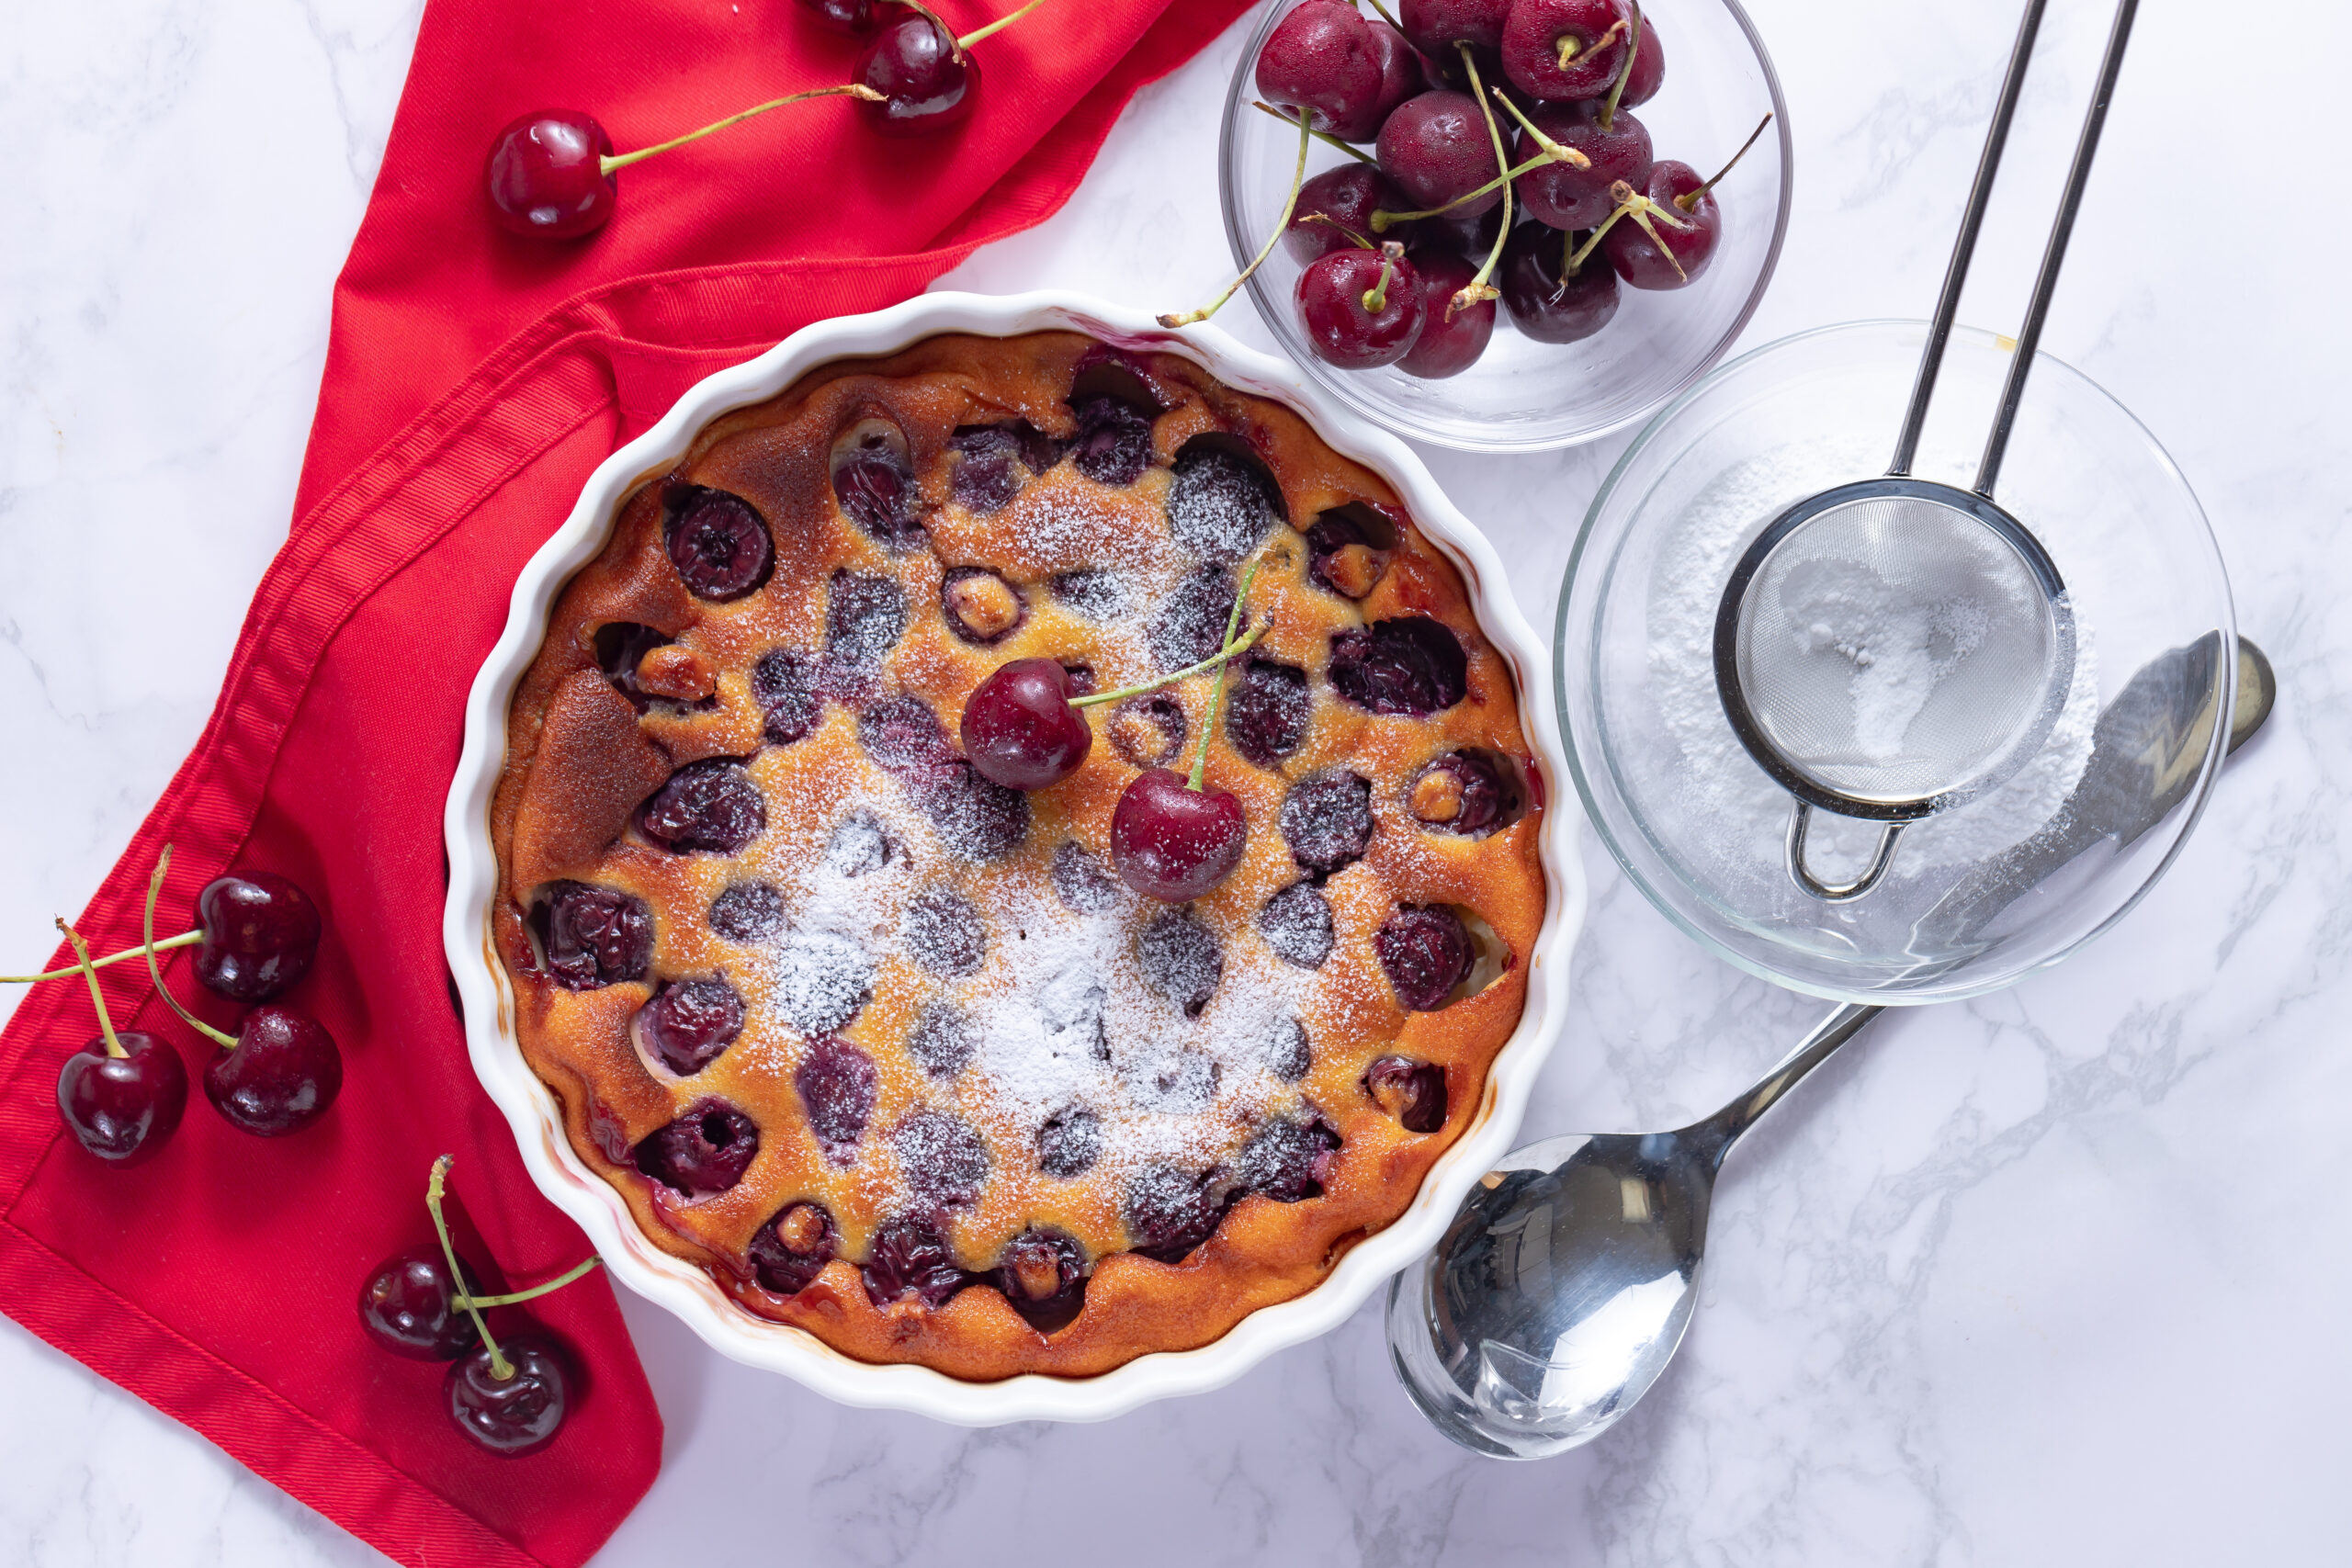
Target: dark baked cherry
<point>1042,1274</point>
<point>260,933</point>
<point>1327,821</point>
<point>1296,923</point>
<point>1181,960</point>
<point>1450,341</point>
<point>944,1040</point>
<point>981,606</point>
<point>1288,1055</point>
<point>1093,592</point>
<point>749,911</point>
<point>1337,203</point>
<point>1082,883</point>
<point>793,1248</point>
<point>545,175</point>
<point>1362,308</point>
<point>1564,195</point>
<point>785,683</point>
<point>1343,558</point>
<point>1287,1161</point>
<point>1148,730</point>
<point>941,1157</point>
<point>1070,1142</point>
<point>837,1084</point>
<point>1411,1091</point>
<point>408,1306</point>
<point>1410,665</point>
<point>1687,244</point>
<point>648,667</point>
<point>1319,60</point>
<point>1114,444</point>
<point>1649,68</point>
<point>1425,952</point>
<point>1191,624</point>
<point>944,933</point>
<point>703,1153</point>
<point>865,617</point>
<point>123,1108</point>
<point>1434,27</point>
<point>281,1076</point>
<point>591,936</point>
<point>905,740</point>
<point>719,545</point>
<point>1221,504</point>
<point>822,980</point>
<point>711,806</point>
<point>1177,1083</point>
<point>1565,48</point>
<point>516,1414</point>
<point>853,17</point>
<point>860,845</point>
<point>927,83</point>
<point>875,483</point>
<point>1460,792</point>
<point>1174,842</point>
<point>1266,715</point>
<point>1436,148</point>
<point>1019,729</point>
<point>1169,1213</point>
<point>977,819</point>
<point>687,1024</point>
<point>989,461</point>
<point>912,1261</point>
<point>1544,306</point>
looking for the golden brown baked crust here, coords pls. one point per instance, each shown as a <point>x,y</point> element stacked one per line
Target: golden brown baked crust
<point>582,757</point>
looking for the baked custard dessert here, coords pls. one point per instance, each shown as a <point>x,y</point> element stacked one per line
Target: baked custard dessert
<point>895,1051</point>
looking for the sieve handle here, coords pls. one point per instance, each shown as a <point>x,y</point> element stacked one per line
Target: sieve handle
<point>1837,892</point>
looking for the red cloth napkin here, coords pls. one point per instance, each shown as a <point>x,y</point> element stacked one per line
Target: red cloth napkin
<point>473,381</point>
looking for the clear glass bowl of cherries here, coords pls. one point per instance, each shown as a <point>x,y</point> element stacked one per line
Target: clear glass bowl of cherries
<point>1640,236</point>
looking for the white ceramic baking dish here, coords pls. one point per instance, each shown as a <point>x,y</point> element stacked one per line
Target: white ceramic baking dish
<point>683,1287</point>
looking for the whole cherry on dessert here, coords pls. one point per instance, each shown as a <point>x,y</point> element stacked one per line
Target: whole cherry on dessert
<point>1362,308</point>
<point>1171,838</point>
<point>1319,61</point>
<point>121,1094</point>
<point>1451,340</point>
<point>1565,48</point>
<point>1550,299</point>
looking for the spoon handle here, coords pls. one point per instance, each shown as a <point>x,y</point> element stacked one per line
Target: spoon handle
<point>1715,1136</point>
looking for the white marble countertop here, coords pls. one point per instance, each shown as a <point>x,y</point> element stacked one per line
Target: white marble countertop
<point>2057,1275</point>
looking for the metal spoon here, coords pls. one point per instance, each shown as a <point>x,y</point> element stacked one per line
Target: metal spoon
<point>1562,1289</point>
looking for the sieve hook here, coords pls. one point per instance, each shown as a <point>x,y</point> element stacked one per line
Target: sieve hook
<point>1838,892</point>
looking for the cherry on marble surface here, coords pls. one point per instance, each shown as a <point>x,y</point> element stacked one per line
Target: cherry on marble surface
<point>261,932</point>
<point>545,175</point>
<point>1019,729</point>
<point>123,1108</point>
<point>281,1076</point>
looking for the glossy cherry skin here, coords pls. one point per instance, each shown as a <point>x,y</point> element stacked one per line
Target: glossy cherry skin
<point>925,86</point>
<point>1435,147</point>
<point>1174,843</point>
<point>1543,305</point>
<point>1336,204</point>
<point>1320,59</point>
<point>1019,729</point>
<point>515,1415</point>
<point>123,1108</point>
<point>1569,197</point>
<point>1334,304</point>
<point>1641,261</point>
<point>1649,68</point>
<point>1448,344</point>
<point>853,17</point>
<point>260,933</point>
<point>1401,76</point>
<point>545,175</point>
<point>1434,27</point>
<point>281,1077</point>
<point>1531,40</point>
<point>408,1306</point>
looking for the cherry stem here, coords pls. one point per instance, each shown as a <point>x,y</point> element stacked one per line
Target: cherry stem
<point>1375,298</point>
<point>612,163</point>
<point>513,1297</point>
<point>1385,16</point>
<point>499,1367</point>
<point>968,39</point>
<point>1360,242</point>
<point>186,939</point>
<point>1358,153</point>
<point>89,972</point>
<point>155,970</point>
<point>1624,72</point>
<point>1230,650</point>
<point>1297,178</point>
<point>1383,220</point>
<point>1569,48</point>
<point>1477,290</point>
<point>1232,625</point>
<point>1688,199</point>
<point>1640,209</point>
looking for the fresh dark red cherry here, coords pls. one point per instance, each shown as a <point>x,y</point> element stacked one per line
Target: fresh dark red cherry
<point>853,17</point>
<point>1320,59</point>
<point>1019,729</point>
<point>409,1305</point>
<point>1435,147</point>
<point>1411,1091</point>
<point>1347,196</point>
<point>1543,305</point>
<point>1401,76</point>
<point>1173,842</point>
<point>1649,68</point>
<point>281,1077</point>
<point>513,1415</point>
<point>1410,665</point>
<point>1449,344</point>
<point>1434,27</point>
<point>1568,197</point>
<point>1357,315</point>
<point>927,83</point>
<point>718,544</point>
<point>545,175</point>
<point>687,1024</point>
<point>1591,33</point>
<point>260,933</point>
<point>1644,262</point>
<point>703,1153</point>
<point>123,1108</point>
<point>1425,952</point>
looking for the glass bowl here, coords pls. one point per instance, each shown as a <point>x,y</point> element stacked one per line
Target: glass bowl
<point>1524,396</point>
<point>1978,894</point>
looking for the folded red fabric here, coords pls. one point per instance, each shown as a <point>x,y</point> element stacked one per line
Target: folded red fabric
<point>474,380</point>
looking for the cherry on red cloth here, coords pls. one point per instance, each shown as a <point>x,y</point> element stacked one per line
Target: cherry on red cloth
<point>473,381</point>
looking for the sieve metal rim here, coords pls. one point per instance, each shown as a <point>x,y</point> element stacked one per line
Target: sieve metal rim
<point>1732,693</point>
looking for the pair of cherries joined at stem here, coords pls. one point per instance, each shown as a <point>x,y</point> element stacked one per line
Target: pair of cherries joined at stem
<point>511,1397</point>
<point>550,173</point>
<point>122,1095</point>
<point>1171,838</point>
